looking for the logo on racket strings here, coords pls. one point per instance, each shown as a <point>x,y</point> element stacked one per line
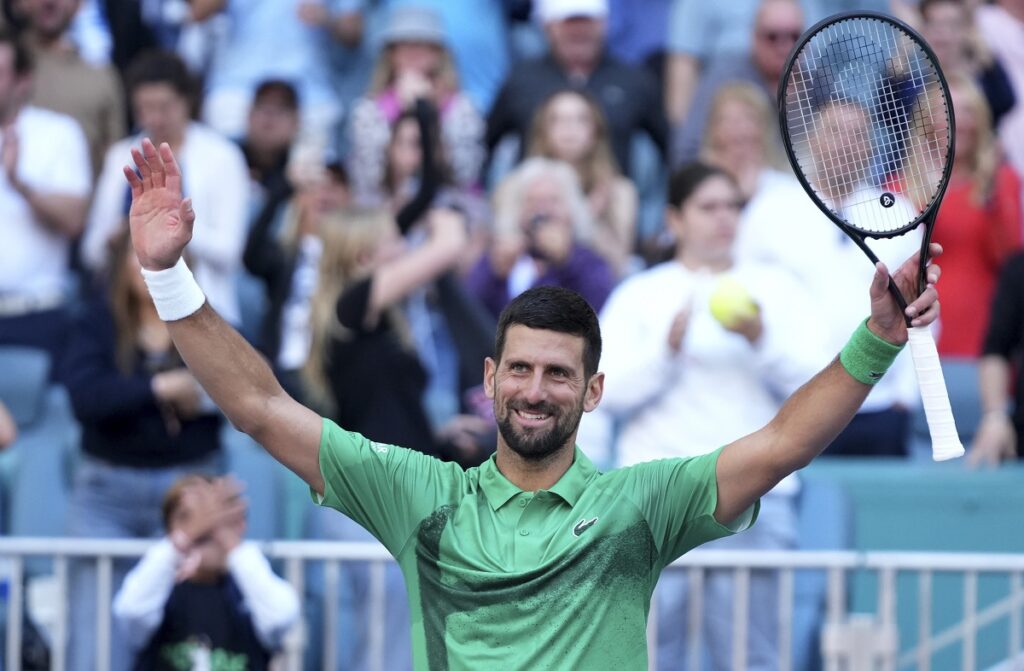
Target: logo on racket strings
<point>887,200</point>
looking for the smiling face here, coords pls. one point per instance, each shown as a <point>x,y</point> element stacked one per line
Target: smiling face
<point>540,391</point>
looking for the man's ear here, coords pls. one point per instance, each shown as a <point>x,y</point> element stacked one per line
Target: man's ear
<point>490,368</point>
<point>595,390</point>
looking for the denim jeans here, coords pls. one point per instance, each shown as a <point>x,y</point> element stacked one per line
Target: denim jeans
<point>775,529</point>
<point>111,501</point>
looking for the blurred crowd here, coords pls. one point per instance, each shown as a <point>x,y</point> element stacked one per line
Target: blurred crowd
<point>375,179</point>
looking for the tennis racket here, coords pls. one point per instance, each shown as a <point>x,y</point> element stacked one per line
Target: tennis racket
<point>867,124</point>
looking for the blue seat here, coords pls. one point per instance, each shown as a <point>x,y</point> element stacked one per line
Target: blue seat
<point>37,467</point>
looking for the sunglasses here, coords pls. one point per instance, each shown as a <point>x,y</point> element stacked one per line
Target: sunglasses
<point>777,36</point>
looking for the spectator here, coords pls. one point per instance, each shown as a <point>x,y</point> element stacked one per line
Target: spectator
<point>1000,435</point>
<point>271,131</point>
<point>979,223</point>
<point>1001,25</point>
<point>542,230</point>
<point>414,62</point>
<point>570,127</point>
<point>948,25</point>
<point>286,262</point>
<point>681,383</point>
<point>44,193</point>
<point>805,243</point>
<point>362,341</point>
<point>279,40</point>
<point>145,423</point>
<point>359,331</point>
<point>8,428</point>
<point>628,95</point>
<point>477,32</point>
<point>202,593</point>
<point>699,34</point>
<point>215,178</point>
<point>65,83</point>
<point>741,138</point>
<point>777,27</point>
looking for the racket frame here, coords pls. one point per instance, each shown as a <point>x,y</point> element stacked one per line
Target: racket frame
<point>928,215</point>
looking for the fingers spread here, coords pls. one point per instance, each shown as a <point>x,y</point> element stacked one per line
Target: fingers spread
<point>156,165</point>
<point>188,215</point>
<point>133,181</point>
<point>142,165</point>
<point>171,168</point>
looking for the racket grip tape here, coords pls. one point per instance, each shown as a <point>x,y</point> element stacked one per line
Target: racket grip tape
<point>937,411</point>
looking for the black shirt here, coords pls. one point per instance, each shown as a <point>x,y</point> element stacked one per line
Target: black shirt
<point>377,380</point>
<point>120,418</point>
<point>1005,337</point>
<point>628,96</point>
<point>210,616</point>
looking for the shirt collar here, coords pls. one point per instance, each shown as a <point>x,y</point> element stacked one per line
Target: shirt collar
<point>569,487</point>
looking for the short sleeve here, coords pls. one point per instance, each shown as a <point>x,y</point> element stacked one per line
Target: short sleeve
<point>677,498</point>
<point>687,28</point>
<point>386,489</point>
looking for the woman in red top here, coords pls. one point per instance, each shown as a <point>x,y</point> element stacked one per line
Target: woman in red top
<point>978,225</point>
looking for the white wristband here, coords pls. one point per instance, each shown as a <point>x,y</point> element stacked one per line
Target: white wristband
<point>174,291</point>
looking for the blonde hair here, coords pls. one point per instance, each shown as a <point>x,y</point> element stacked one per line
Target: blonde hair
<point>985,160</point>
<point>599,165</point>
<point>446,78</point>
<point>509,196</point>
<point>350,237</point>
<point>755,100</point>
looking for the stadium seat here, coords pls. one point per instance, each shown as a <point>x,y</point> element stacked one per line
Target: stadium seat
<point>37,467</point>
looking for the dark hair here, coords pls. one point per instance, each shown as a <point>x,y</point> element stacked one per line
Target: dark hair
<point>279,87</point>
<point>22,57</point>
<point>686,179</point>
<point>159,67</point>
<point>554,309</point>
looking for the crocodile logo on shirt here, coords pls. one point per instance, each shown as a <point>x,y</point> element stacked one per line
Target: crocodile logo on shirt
<point>582,526</point>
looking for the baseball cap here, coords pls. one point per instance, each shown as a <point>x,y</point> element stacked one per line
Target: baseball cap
<point>558,10</point>
<point>413,24</point>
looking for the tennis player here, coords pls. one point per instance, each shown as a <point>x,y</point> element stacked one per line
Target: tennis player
<point>535,559</point>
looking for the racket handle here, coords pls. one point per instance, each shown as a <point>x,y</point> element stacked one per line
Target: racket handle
<point>945,440</point>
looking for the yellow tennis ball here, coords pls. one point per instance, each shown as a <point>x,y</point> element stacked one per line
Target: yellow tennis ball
<point>730,302</point>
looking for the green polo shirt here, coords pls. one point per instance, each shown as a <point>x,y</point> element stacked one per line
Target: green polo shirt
<point>499,578</point>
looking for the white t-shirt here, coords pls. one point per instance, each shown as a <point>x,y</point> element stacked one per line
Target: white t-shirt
<point>216,178</point>
<point>782,226</point>
<point>718,387</point>
<point>53,158</point>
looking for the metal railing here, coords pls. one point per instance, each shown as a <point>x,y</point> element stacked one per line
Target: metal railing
<point>843,633</point>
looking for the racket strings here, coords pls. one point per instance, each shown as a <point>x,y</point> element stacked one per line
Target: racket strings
<point>868,119</point>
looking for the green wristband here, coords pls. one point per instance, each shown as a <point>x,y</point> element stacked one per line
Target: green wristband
<point>866,357</point>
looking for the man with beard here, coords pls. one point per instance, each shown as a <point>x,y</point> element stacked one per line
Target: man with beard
<point>534,559</point>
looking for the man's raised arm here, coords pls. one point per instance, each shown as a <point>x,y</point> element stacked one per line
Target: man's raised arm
<point>817,412</point>
<point>234,375</point>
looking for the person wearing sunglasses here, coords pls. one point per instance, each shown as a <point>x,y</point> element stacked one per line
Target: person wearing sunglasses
<point>777,26</point>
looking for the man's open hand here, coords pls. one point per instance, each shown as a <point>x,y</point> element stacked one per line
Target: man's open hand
<point>161,222</point>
